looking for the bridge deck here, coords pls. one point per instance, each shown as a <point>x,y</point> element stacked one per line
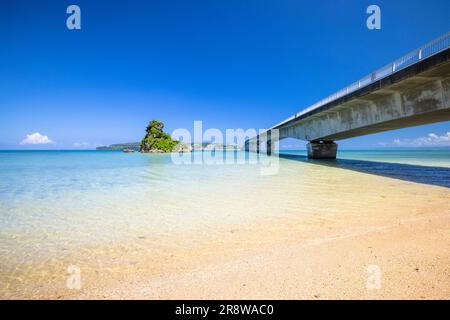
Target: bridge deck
<point>412,90</point>
<point>393,72</point>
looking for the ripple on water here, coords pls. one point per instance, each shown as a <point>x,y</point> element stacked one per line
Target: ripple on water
<point>72,203</point>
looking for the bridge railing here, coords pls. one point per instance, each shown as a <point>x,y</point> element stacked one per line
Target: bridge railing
<point>431,48</point>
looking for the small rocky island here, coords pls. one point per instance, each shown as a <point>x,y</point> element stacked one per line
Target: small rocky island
<point>158,141</point>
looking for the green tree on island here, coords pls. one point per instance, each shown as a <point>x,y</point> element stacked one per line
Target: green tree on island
<point>156,140</point>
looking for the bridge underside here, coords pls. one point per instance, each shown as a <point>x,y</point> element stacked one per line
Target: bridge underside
<point>416,120</point>
<point>417,95</point>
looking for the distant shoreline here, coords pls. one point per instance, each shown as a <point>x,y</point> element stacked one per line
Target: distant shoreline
<point>135,146</point>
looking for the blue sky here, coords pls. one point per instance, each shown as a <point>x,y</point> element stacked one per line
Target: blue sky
<point>231,64</point>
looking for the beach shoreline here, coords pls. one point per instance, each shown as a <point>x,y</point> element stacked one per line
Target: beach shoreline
<point>330,260</point>
<point>315,238</point>
<point>412,255</point>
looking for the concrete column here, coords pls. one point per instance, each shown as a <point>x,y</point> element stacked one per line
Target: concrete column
<point>257,144</point>
<point>322,150</point>
<point>247,146</point>
<point>269,143</point>
<point>269,147</point>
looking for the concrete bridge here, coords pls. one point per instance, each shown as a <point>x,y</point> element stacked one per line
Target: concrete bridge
<point>410,91</point>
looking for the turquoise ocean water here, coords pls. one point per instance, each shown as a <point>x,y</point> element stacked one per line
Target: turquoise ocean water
<point>53,203</point>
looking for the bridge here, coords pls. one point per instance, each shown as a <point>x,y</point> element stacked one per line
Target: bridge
<point>411,91</point>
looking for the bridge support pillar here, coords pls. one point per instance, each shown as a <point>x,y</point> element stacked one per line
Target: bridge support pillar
<point>257,144</point>
<point>269,143</point>
<point>322,150</point>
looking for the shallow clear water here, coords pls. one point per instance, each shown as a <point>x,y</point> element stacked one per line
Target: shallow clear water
<point>69,192</point>
<point>428,166</point>
<point>413,156</point>
<point>56,203</point>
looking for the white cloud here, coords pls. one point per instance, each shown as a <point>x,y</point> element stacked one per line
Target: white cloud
<point>84,144</point>
<point>36,138</point>
<point>431,140</point>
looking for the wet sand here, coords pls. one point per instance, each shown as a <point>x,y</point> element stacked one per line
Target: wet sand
<point>401,228</point>
<point>413,255</point>
<point>414,264</point>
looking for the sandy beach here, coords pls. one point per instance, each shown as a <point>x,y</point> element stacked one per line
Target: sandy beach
<point>397,226</point>
<point>309,232</point>
<point>329,261</point>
